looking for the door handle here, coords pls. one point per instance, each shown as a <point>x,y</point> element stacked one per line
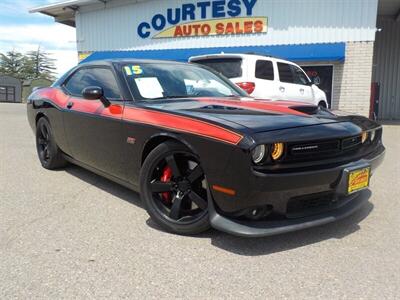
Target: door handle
<point>70,104</point>
<point>282,89</point>
<point>302,91</point>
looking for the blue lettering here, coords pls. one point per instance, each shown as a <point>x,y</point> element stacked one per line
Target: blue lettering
<point>158,22</point>
<point>144,34</point>
<point>249,6</point>
<point>188,11</point>
<point>170,19</point>
<point>218,9</point>
<point>203,8</point>
<point>234,8</point>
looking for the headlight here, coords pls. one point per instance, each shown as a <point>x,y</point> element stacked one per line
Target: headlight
<point>372,135</point>
<point>277,150</point>
<point>258,154</point>
<point>364,136</point>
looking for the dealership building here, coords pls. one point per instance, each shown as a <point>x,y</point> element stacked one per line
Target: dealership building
<point>349,47</point>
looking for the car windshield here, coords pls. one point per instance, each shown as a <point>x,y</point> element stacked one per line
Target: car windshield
<point>151,81</point>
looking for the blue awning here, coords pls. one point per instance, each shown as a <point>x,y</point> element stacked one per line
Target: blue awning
<point>305,52</point>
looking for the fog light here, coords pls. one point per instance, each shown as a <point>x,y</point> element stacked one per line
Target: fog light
<point>258,154</point>
<point>277,151</point>
<point>364,136</point>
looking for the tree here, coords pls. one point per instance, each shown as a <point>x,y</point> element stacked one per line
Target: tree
<point>32,65</point>
<point>39,64</point>
<point>12,63</point>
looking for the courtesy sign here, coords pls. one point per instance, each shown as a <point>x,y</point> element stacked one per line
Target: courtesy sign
<point>205,18</point>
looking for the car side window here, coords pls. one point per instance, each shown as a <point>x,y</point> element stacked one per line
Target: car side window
<point>299,76</point>
<point>102,77</point>
<point>264,70</point>
<point>285,73</point>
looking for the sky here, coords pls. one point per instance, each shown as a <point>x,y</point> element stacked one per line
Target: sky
<point>23,32</point>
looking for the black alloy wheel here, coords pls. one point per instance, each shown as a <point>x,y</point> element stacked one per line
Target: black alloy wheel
<point>174,189</point>
<point>50,155</point>
<point>43,142</point>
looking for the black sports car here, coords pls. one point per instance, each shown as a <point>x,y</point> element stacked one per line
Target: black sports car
<point>201,152</point>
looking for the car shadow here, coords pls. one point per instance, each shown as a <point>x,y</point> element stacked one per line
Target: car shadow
<point>104,184</point>
<point>293,240</point>
<point>240,245</point>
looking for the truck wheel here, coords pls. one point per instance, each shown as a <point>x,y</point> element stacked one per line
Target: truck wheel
<point>322,104</point>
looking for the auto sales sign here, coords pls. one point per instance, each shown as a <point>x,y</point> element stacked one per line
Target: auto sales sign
<point>205,18</point>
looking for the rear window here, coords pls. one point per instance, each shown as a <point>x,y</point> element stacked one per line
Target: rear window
<point>264,70</point>
<point>229,67</point>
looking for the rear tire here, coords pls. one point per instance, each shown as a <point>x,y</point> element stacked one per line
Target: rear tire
<point>50,156</point>
<point>322,104</point>
<point>178,202</point>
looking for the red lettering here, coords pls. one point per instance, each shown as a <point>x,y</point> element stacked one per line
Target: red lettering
<point>229,28</point>
<point>258,26</point>
<point>205,29</point>
<point>178,31</point>
<point>238,28</point>
<point>196,28</point>
<point>219,28</point>
<point>248,27</point>
<point>187,30</point>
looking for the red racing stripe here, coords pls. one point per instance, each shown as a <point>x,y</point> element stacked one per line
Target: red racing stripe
<point>183,124</point>
<point>262,105</point>
<point>144,116</point>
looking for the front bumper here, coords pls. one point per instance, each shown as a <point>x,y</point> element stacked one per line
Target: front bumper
<point>300,185</point>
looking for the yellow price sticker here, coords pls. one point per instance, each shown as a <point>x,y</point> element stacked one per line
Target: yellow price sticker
<point>133,70</point>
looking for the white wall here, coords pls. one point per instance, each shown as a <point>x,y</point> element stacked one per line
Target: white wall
<point>352,80</point>
<point>113,26</point>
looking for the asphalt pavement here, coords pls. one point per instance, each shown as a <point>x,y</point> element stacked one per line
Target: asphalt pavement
<point>72,234</point>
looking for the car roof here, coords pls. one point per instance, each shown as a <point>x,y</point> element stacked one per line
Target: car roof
<point>239,55</point>
<point>128,61</point>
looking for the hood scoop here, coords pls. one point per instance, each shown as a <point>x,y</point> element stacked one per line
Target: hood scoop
<point>312,110</point>
<point>223,109</point>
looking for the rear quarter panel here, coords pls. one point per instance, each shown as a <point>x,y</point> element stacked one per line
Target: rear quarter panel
<point>49,103</point>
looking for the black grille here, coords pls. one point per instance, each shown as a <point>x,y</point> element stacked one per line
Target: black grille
<point>311,148</point>
<point>322,149</point>
<point>351,142</point>
<point>307,205</point>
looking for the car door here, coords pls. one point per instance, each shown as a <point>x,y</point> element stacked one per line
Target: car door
<point>293,86</point>
<point>94,132</point>
<point>303,83</point>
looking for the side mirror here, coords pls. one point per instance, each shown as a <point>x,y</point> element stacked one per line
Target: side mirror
<point>92,93</point>
<point>95,93</point>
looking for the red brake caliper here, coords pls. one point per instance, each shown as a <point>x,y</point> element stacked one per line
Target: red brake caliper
<point>166,177</point>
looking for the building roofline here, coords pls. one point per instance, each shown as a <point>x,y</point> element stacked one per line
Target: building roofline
<point>64,12</point>
<point>62,5</point>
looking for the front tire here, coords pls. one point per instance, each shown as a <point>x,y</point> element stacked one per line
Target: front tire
<point>49,154</point>
<point>174,189</point>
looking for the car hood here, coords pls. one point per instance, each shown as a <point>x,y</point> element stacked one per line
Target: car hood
<point>248,113</point>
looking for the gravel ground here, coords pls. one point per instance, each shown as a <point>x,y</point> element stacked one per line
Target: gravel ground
<point>72,234</point>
